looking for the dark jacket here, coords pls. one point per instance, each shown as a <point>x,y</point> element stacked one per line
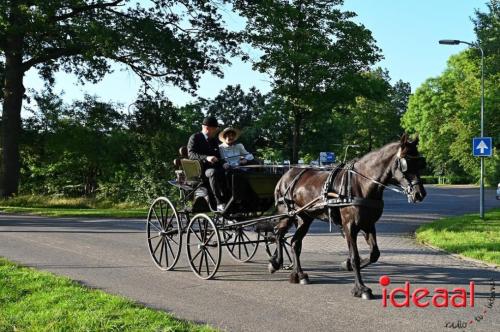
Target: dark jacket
<point>199,149</point>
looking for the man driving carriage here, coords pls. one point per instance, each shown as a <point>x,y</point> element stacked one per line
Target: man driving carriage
<point>204,146</point>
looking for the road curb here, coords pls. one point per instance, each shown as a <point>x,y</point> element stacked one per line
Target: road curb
<point>457,256</point>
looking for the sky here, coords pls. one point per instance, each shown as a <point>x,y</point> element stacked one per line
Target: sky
<point>407,32</point>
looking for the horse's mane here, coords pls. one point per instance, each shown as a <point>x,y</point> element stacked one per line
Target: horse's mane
<point>380,153</point>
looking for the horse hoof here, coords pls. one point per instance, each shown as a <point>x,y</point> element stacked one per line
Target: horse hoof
<point>270,268</point>
<point>294,278</point>
<point>346,266</point>
<point>367,295</point>
<point>304,281</point>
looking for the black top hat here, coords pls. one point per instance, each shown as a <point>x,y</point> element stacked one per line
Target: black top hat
<point>210,121</point>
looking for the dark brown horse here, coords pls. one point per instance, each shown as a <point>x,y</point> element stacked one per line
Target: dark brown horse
<point>355,202</point>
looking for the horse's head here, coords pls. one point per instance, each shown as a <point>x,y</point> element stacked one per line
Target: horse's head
<point>406,170</point>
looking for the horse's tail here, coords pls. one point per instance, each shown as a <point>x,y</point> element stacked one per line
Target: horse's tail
<point>278,192</point>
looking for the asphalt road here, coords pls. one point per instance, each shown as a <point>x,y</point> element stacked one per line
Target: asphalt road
<point>112,255</point>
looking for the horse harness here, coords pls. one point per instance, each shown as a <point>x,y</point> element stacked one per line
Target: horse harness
<point>330,197</point>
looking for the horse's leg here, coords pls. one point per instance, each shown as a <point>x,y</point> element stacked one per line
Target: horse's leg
<point>276,261</point>
<point>297,275</point>
<point>371,239</point>
<point>359,290</point>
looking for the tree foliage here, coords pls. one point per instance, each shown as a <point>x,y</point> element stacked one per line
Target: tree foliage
<point>312,50</point>
<point>175,41</point>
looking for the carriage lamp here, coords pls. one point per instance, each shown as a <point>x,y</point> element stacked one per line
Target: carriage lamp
<point>475,45</point>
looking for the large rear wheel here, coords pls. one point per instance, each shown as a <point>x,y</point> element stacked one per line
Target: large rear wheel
<point>164,233</point>
<point>203,246</point>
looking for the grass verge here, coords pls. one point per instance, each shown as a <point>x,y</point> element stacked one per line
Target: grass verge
<point>32,300</point>
<point>467,235</point>
<point>70,207</point>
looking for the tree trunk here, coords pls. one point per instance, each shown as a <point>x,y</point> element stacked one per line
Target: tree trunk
<point>11,118</point>
<point>296,137</point>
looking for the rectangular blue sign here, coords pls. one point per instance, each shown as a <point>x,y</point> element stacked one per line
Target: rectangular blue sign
<point>482,147</point>
<point>327,157</point>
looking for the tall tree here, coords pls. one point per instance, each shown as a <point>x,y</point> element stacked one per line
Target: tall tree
<point>312,50</point>
<point>175,41</point>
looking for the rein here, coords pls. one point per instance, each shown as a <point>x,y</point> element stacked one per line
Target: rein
<point>332,199</point>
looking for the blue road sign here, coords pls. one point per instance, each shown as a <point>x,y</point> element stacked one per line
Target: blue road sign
<point>327,157</point>
<point>482,147</point>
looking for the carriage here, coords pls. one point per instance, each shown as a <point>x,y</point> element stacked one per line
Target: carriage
<point>246,222</point>
<point>349,195</point>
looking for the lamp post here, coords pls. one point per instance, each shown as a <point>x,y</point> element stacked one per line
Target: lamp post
<point>475,45</point>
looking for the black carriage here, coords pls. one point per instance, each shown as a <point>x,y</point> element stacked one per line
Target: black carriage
<point>192,218</point>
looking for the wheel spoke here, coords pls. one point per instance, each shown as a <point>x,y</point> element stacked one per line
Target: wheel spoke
<point>287,253</point>
<point>211,257</point>
<point>170,248</point>
<point>156,215</point>
<point>209,238</point>
<point>205,230</point>
<point>194,257</point>
<point>161,250</point>
<point>169,222</point>
<point>171,237</point>
<point>234,243</point>
<point>201,261</point>
<point>162,219</point>
<point>156,248</point>
<point>166,253</point>
<point>153,237</point>
<point>195,233</point>
<point>149,222</point>
<point>246,250</point>
<point>206,263</point>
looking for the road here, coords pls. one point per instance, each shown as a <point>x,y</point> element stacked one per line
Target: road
<point>112,255</point>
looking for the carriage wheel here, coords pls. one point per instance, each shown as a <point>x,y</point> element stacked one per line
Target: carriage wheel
<point>237,243</point>
<point>164,233</point>
<point>272,249</point>
<point>203,246</point>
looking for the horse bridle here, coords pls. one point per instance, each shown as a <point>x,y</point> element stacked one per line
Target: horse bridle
<point>402,164</point>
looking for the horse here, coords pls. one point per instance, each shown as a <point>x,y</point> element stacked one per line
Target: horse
<point>350,196</point>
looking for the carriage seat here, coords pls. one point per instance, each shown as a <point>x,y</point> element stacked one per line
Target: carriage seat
<point>187,170</point>
<point>192,170</point>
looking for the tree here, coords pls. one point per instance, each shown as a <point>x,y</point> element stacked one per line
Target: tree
<point>175,41</point>
<point>374,118</point>
<point>445,110</point>
<point>313,52</point>
<point>233,107</point>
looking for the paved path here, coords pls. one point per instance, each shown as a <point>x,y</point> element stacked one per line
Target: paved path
<point>112,255</point>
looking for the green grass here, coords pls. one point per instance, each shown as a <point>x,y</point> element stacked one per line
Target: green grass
<point>31,300</point>
<point>466,235</point>
<point>70,207</point>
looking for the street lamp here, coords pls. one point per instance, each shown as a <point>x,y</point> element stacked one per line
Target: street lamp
<point>475,45</point>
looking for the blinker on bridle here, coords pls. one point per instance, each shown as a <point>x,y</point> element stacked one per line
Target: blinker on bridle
<point>411,163</point>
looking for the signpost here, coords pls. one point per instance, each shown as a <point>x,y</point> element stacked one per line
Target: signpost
<point>482,147</point>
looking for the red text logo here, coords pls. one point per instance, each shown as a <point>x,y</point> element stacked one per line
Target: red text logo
<point>400,297</point>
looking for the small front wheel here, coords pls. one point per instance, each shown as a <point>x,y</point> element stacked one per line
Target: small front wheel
<point>203,246</point>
